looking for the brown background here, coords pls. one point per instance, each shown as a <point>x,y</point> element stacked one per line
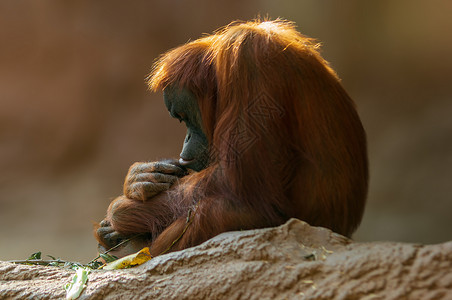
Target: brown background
<point>75,112</point>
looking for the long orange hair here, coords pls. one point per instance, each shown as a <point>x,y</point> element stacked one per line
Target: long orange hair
<point>285,138</point>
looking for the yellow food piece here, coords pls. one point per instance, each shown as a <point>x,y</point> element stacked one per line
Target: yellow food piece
<point>130,261</point>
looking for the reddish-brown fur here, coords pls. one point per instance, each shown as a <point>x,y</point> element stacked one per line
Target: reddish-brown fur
<point>304,158</point>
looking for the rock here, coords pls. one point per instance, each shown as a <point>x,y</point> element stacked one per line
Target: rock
<point>292,261</point>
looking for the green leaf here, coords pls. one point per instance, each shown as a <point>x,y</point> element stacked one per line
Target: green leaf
<point>76,266</point>
<point>77,284</point>
<point>36,255</point>
<point>107,257</point>
<point>95,264</point>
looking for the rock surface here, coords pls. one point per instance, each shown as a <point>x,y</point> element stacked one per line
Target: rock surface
<point>292,261</point>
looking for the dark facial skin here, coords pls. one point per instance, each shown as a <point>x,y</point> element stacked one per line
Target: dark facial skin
<point>182,105</point>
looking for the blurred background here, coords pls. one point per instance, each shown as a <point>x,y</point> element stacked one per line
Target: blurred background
<point>75,112</point>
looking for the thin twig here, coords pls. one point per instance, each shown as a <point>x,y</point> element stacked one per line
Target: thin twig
<point>39,261</point>
<point>190,217</point>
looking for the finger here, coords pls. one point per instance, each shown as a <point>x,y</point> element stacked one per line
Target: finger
<point>169,168</point>
<point>113,238</point>
<point>152,187</point>
<point>105,223</point>
<point>162,167</point>
<point>103,231</point>
<point>145,190</point>
<point>154,177</point>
